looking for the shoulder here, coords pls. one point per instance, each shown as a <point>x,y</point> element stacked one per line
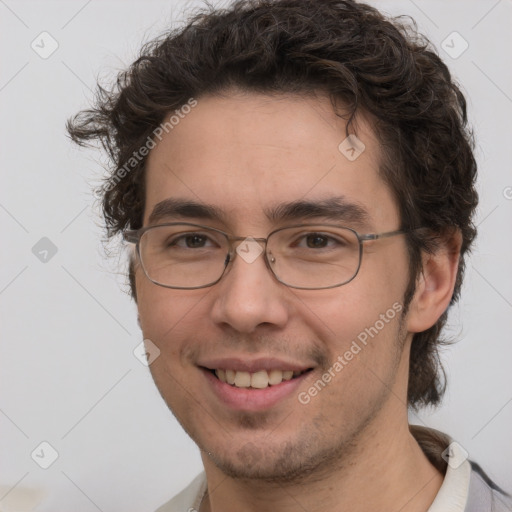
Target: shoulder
<point>484,495</point>
<point>466,487</point>
<point>189,499</point>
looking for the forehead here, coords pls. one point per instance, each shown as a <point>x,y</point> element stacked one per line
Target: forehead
<point>248,153</point>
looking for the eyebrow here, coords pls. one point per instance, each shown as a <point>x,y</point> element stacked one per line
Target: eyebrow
<point>333,208</point>
<point>184,208</point>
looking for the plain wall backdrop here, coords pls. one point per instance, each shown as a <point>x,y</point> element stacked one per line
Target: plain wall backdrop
<point>68,375</point>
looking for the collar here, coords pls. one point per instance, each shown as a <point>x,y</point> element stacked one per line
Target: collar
<point>450,458</point>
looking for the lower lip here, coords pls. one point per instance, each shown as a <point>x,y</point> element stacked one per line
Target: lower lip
<point>251,399</point>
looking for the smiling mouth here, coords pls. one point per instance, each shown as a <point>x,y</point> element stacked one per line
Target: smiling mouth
<point>257,380</point>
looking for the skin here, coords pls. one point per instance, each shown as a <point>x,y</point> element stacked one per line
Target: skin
<point>350,447</point>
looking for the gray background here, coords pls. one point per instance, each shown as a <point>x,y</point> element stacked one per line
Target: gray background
<point>68,373</point>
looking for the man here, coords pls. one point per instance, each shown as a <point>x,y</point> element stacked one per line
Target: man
<point>297,179</point>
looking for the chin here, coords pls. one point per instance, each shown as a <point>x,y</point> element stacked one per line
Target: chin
<point>280,462</point>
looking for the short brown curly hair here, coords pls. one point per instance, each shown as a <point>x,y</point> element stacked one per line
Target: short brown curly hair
<point>344,48</point>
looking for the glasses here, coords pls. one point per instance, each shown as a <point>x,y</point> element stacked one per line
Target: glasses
<point>308,256</point>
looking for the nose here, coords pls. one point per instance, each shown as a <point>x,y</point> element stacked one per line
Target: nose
<point>249,297</point>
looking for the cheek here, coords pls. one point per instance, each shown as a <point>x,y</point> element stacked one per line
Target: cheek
<point>363,353</point>
<point>359,322</point>
<point>166,315</point>
<point>170,318</point>
<point>346,313</point>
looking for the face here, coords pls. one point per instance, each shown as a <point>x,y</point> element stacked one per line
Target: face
<point>244,156</point>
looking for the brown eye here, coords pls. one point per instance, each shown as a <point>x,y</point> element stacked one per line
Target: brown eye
<point>317,241</point>
<point>194,241</point>
<point>190,241</point>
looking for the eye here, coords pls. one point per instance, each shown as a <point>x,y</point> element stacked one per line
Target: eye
<point>319,241</point>
<point>316,241</point>
<point>191,241</point>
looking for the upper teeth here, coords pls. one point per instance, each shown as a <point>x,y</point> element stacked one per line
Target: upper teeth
<point>260,379</point>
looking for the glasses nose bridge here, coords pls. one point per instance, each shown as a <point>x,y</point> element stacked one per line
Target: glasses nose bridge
<point>232,241</point>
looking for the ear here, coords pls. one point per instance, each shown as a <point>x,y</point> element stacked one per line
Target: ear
<point>435,283</point>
